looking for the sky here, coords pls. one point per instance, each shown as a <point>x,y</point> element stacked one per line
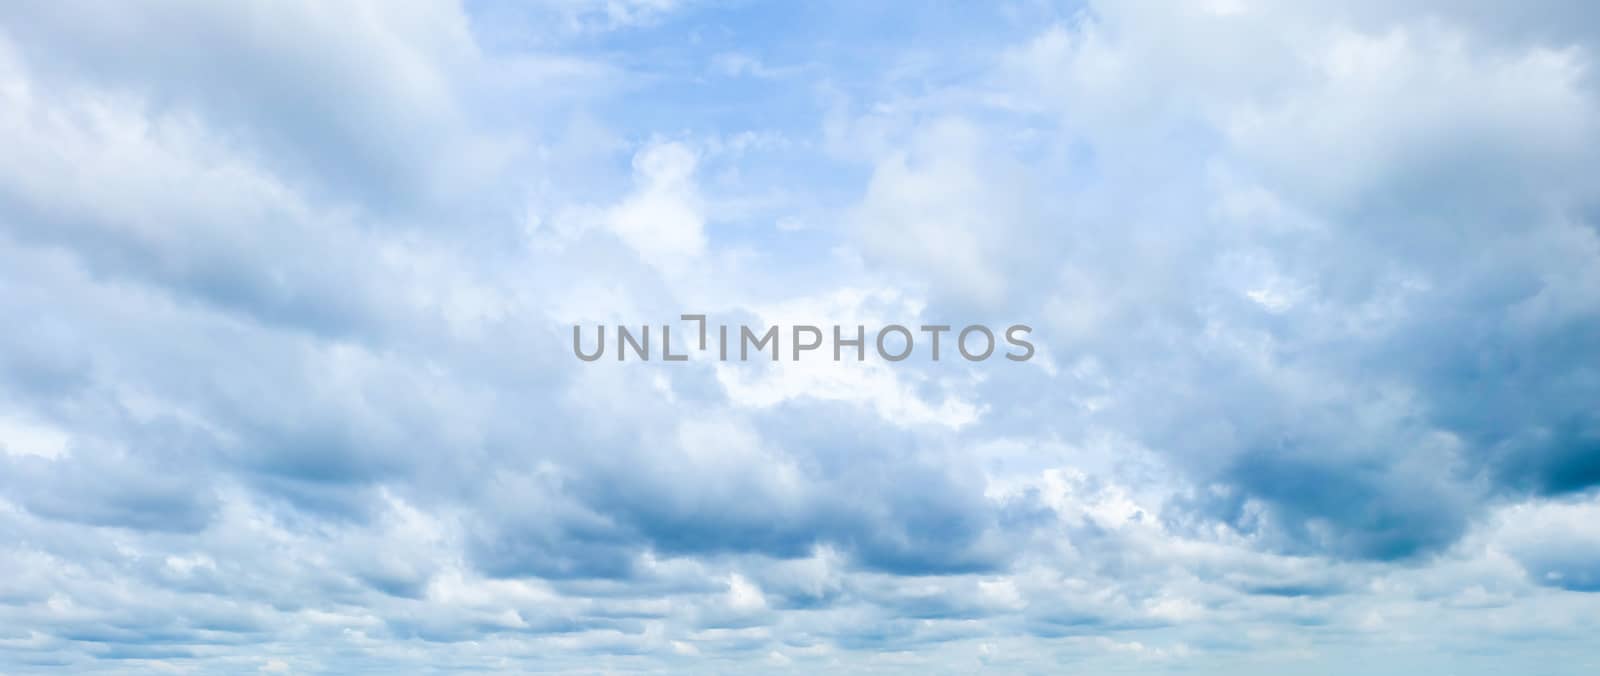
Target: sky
<point>288,290</point>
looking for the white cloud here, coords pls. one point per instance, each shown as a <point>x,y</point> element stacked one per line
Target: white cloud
<point>26,437</point>
<point>664,218</point>
<point>286,380</point>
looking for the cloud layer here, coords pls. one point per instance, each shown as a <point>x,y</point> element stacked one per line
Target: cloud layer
<point>285,383</point>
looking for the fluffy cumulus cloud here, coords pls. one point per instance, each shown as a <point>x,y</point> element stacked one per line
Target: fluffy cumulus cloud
<point>286,379</point>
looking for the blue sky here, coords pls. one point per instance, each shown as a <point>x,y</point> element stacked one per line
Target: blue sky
<point>286,381</point>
